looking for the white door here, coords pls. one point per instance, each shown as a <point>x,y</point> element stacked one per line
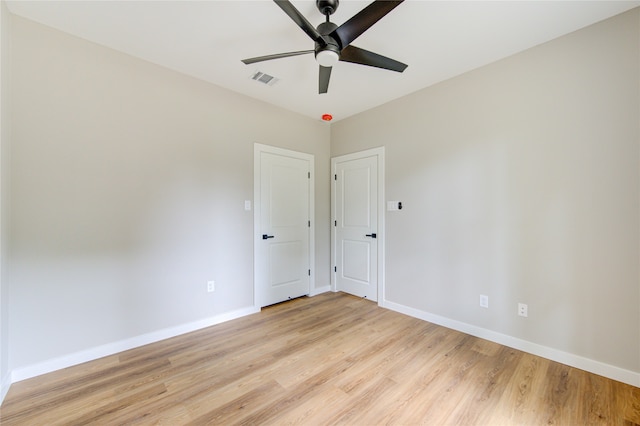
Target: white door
<point>356,226</point>
<point>282,264</point>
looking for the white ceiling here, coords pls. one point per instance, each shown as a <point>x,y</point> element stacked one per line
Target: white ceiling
<point>207,40</point>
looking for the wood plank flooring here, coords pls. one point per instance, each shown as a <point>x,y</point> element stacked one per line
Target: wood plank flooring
<point>330,359</point>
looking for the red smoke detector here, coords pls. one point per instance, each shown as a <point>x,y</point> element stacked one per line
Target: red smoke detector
<point>327,117</point>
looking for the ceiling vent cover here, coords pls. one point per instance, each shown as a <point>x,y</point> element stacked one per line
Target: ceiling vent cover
<point>261,77</point>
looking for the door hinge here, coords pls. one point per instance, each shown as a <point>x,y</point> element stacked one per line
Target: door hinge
<point>335,269</point>
<point>335,223</point>
<point>309,272</point>
<point>309,175</point>
<point>335,177</point>
<point>309,223</point>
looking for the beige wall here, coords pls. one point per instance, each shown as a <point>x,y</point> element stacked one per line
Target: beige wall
<point>520,181</point>
<point>128,189</point>
<point>4,195</point>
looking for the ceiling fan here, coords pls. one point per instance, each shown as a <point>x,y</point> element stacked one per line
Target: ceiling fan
<point>333,43</point>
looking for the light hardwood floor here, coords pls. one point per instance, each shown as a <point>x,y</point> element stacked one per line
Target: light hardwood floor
<point>330,359</point>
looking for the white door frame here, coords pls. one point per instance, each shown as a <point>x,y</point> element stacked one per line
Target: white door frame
<point>258,149</point>
<point>379,153</point>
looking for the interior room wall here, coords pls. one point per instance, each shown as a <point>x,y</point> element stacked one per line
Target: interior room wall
<point>520,181</point>
<point>128,188</point>
<point>5,34</point>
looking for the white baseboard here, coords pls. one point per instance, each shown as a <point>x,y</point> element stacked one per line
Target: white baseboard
<point>572,360</point>
<point>319,290</point>
<point>4,386</point>
<point>91,354</point>
<point>592,366</point>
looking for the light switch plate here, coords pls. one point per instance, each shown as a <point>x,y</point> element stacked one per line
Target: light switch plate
<point>484,301</point>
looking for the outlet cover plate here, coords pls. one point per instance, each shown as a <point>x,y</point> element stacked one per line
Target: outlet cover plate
<point>523,309</point>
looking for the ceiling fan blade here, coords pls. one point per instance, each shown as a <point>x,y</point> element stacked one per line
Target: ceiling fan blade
<point>276,56</point>
<point>364,57</point>
<point>300,20</point>
<point>363,20</point>
<point>323,83</point>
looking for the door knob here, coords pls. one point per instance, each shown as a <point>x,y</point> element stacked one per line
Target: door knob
<point>371,235</point>
<point>265,236</point>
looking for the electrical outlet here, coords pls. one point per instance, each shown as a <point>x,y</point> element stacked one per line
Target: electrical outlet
<point>523,310</point>
<point>211,286</point>
<point>484,301</point>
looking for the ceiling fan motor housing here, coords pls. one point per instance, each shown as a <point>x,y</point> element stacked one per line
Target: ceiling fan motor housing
<point>327,7</point>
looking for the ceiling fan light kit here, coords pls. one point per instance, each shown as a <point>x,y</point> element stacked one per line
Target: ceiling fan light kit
<point>327,58</point>
<point>333,43</point>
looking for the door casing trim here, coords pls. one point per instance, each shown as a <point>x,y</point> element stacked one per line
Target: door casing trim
<point>258,149</point>
<point>379,153</point>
